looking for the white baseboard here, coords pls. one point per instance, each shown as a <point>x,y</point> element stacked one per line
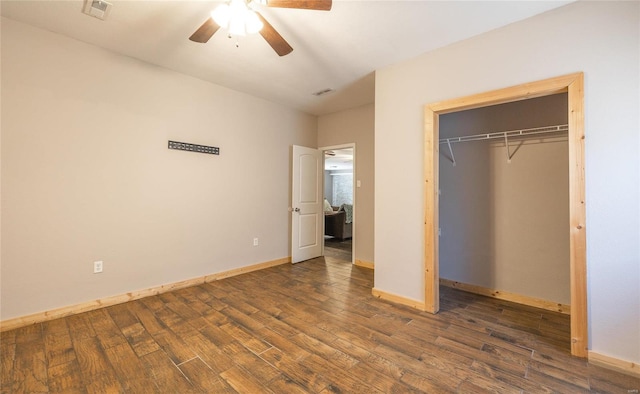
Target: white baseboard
<point>505,295</point>
<point>626,367</point>
<point>40,317</point>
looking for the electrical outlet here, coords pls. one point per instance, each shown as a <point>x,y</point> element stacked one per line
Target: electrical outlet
<point>97,267</point>
<point>255,242</point>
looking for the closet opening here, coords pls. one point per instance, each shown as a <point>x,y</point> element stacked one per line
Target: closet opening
<point>504,202</point>
<point>493,156</point>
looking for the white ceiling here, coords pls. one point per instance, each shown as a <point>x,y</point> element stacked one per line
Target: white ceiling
<point>338,49</point>
<point>339,159</point>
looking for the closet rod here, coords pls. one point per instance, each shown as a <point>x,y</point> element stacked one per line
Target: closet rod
<point>505,134</point>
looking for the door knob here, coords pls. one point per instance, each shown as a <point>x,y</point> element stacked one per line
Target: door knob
<point>296,210</point>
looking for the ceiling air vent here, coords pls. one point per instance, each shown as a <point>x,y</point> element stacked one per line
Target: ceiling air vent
<point>97,8</point>
<point>322,92</point>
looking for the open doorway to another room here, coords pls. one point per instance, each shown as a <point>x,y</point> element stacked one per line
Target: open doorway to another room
<point>339,203</point>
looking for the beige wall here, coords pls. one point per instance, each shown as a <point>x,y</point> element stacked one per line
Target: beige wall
<point>601,39</point>
<point>86,174</point>
<point>356,126</point>
<point>505,225</point>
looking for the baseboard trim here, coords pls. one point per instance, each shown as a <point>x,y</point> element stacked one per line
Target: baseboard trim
<point>507,296</point>
<point>626,367</point>
<point>41,317</point>
<point>249,268</point>
<point>364,264</point>
<point>398,299</point>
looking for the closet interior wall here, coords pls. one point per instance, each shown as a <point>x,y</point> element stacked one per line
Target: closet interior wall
<point>504,225</point>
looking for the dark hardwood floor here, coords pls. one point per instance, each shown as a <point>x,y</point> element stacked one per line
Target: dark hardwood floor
<point>338,249</point>
<point>309,327</point>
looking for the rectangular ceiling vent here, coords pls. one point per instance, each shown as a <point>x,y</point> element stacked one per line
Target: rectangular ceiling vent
<point>322,92</point>
<point>97,8</point>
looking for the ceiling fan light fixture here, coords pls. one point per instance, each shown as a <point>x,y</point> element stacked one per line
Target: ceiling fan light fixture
<point>253,24</point>
<point>222,15</point>
<point>237,18</point>
<point>236,26</point>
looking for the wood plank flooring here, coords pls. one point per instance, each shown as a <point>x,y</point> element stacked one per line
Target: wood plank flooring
<point>337,249</point>
<point>312,327</point>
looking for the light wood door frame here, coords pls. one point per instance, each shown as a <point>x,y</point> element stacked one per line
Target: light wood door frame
<point>573,84</point>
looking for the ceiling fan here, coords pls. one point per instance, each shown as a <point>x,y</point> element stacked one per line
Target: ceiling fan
<point>239,17</point>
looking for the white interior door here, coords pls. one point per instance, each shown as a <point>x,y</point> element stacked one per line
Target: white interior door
<point>306,215</point>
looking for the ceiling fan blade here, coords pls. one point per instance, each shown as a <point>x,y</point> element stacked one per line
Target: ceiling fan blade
<point>205,32</point>
<point>322,5</point>
<point>279,44</point>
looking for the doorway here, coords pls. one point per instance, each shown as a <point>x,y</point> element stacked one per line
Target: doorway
<point>339,202</point>
<point>572,84</point>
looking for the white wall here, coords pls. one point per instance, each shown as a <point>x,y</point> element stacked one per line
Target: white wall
<point>86,174</point>
<point>356,126</point>
<point>328,186</point>
<point>599,38</point>
<point>341,187</point>
<point>505,226</point>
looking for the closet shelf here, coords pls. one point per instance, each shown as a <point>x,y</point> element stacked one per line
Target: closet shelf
<point>503,135</point>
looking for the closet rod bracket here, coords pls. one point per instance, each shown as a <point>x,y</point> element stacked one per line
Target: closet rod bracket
<point>506,144</point>
<point>453,158</point>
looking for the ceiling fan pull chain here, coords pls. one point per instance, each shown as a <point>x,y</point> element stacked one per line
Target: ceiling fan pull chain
<point>237,43</point>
